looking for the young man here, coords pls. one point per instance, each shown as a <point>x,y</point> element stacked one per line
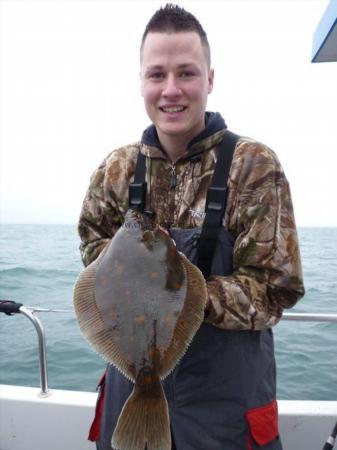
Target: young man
<point>221,395</point>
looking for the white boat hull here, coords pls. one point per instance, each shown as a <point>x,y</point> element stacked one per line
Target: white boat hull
<point>62,420</point>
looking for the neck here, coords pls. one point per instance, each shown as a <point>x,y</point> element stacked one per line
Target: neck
<point>174,147</point>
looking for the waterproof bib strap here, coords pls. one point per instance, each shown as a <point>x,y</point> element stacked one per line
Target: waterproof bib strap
<point>137,189</point>
<point>216,203</point>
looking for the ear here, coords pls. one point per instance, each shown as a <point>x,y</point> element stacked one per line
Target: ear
<point>141,84</point>
<point>210,80</point>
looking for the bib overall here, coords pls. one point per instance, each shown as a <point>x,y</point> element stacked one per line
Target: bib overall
<point>222,394</point>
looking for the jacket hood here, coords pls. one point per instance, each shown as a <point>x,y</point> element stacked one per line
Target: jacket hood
<point>215,125</point>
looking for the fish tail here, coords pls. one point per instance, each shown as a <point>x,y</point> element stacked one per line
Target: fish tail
<point>144,420</point>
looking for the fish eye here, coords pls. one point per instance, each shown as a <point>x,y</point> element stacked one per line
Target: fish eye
<point>147,235</point>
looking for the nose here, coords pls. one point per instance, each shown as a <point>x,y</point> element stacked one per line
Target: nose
<point>171,88</point>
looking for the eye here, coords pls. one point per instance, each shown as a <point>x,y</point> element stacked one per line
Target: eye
<point>157,76</point>
<point>187,74</point>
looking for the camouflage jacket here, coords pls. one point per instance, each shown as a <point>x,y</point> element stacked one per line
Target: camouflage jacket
<point>267,273</point>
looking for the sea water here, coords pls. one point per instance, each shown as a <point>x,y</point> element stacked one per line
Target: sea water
<point>39,265</point>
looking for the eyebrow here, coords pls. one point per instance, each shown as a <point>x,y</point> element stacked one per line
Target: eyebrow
<point>159,67</point>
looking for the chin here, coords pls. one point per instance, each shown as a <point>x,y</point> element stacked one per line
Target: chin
<point>174,129</point>
<point>174,133</point>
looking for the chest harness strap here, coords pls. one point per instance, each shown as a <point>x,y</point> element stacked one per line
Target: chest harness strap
<point>215,203</point>
<point>215,200</point>
<point>137,189</point>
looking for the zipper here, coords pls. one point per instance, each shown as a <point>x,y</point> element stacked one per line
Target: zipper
<point>173,182</point>
<point>171,194</point>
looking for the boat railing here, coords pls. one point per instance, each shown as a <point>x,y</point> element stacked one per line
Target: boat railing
<point>310,317</point>
<point>10,307</point>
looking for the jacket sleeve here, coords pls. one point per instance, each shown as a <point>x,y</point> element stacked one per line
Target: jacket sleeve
<point>267,273</point>
<point>101,213</point>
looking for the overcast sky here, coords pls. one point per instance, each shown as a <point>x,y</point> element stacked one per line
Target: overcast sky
<point>70,94</point>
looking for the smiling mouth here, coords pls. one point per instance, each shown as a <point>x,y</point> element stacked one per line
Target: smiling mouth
<point>172,109</point>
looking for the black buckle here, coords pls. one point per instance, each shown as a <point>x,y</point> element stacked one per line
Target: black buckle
<point>216,197</point>
<point>137,195</point>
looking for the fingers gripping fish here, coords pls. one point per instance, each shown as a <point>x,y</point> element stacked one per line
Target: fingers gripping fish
<point>139,304</point>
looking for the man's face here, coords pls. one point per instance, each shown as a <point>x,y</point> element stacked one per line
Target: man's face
<point>175,81</point>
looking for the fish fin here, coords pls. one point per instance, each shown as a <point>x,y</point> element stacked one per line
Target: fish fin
<point>144,421</point>
<point>91,323</point>
<point>189,320</point>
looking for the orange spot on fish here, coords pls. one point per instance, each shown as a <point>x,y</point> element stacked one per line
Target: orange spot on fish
<point>113,315</point>
<point>168,320</point>
<point>103,280</point>
<point>119,267</point>
<point>140,320</point>
<point>153,275</point>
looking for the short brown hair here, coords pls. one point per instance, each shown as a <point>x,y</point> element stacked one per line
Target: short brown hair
<point>174,19</point>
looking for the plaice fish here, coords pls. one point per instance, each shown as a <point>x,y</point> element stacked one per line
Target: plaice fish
<point>139,304</point>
